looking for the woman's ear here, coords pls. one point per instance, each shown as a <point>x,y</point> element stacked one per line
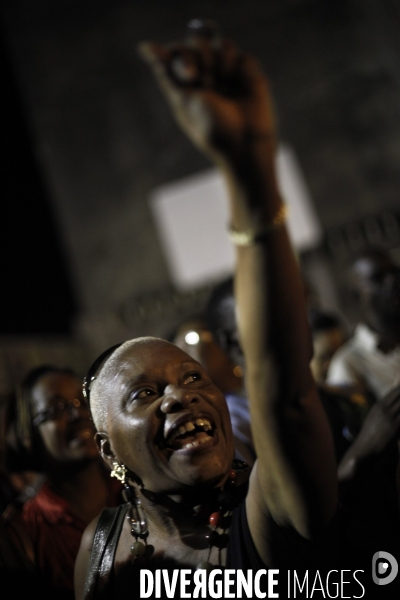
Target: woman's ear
<point>104,447</point>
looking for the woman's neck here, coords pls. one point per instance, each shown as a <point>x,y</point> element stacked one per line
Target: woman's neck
<point>172,512</point>
<point>179,517</point>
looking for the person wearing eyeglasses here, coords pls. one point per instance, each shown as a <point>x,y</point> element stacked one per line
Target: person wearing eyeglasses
<point>56,429</point>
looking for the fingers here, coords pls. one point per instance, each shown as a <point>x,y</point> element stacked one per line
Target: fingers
<point>204,51</point>
<point>213,87</point>
<point>160,57</point>
<point>252,76</point>
<point>175,65</point>
<point>201,63</point>
<point>155,55</point>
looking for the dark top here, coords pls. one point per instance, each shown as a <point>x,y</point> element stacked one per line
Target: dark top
<point>289,550</point>
<point>56,533</point>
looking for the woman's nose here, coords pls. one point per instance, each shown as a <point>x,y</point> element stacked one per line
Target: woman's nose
<point>75,409</point>
<point>73,413</point>
<point>176,398</point>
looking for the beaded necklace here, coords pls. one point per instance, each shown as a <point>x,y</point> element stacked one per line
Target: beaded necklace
<point>218,519</point>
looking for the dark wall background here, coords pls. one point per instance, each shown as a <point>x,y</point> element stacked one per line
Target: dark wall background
<point>37,295</point>
<point>103,138</point>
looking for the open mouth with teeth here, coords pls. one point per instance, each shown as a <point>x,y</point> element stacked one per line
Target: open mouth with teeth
<point>190,434</point>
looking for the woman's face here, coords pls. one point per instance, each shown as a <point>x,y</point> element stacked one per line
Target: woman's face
<point>167,422</point>
<point>67,433</point>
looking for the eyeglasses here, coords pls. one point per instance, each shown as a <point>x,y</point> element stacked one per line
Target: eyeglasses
<point>91,374</point>
<point>58,410</point>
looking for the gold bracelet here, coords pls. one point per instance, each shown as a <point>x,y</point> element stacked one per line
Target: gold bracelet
<point>250,237</point>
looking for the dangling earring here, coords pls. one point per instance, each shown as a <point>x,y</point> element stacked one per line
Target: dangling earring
<point>119,472</point>
<point>136,513</point>
<point>138,520</point>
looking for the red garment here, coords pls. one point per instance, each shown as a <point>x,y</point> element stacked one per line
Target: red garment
<point>56,533</point>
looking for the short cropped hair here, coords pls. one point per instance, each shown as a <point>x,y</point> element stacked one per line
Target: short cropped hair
<point>100,388</point>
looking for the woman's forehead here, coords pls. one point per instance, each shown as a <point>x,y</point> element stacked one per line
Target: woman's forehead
<point>55,384</point>
<point>56,381</point>
<point>150,356</point>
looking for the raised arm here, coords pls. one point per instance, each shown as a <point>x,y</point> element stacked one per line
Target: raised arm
<point>221,99</point>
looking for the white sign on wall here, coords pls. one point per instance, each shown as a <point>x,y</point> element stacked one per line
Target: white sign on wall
<point>192,217</point>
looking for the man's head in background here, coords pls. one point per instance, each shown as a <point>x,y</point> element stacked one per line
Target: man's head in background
<point>194,337</point>
<point>375,281</point>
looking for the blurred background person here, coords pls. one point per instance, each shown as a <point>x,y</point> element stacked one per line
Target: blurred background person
<point>221,320</point>
<point>370,360</point>
<point>348,408</point>
<point>194,337</point>
<point>17,561</point>
<point>345,413</point>
<point>56,429</point>
<point>369,485</point>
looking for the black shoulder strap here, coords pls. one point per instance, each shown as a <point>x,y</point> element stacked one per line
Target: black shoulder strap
<point>100,568</point>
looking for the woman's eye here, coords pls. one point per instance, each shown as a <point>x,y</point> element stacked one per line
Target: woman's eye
<point>143,393</point>
<point>192,377</point>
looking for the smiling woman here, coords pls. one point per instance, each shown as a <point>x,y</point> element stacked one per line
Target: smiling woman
<point>171,409</point>
<point>164,427</point>
<point>58,432</point>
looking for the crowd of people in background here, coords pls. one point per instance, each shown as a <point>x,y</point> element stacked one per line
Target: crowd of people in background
<point>53,482</point>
